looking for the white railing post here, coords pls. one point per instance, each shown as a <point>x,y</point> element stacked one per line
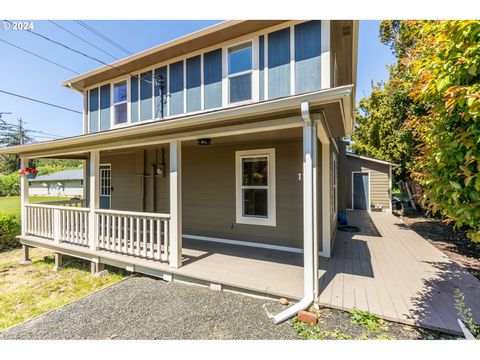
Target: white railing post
<point>23,195</point>
<point>94,175</point>
<point>175,203</point>
<point>56,225</point>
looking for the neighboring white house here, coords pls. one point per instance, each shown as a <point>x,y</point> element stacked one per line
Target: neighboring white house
<point>61,183</point>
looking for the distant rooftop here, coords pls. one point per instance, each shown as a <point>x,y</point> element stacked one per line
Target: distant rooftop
<point>76,174</point>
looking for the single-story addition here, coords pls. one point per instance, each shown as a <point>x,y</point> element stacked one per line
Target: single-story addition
<point>66,183</point>
<point>366,182</point>
<point>212,158</point>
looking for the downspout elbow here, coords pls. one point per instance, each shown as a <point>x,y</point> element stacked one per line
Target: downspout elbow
<point>294,309</point>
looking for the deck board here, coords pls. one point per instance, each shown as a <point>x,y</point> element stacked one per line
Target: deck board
<point>396,274</point>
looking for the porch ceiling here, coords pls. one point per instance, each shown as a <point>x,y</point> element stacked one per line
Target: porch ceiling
<point>284,112</point>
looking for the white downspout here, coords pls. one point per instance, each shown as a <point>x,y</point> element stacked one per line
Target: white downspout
<point>309,136</point>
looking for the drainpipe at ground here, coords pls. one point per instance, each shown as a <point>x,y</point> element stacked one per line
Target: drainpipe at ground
<point>309,166</point>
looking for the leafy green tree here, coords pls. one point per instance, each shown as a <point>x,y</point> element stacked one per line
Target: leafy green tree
<point>380,131</point>
<point>444,78</point>
<point>11,135</point>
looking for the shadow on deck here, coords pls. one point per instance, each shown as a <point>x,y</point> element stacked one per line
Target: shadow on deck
<point>391,271</point>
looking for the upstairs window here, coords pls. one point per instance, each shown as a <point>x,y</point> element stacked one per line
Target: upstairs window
<point>240,73</point>
<point>255,172</point>
<point>120,114</point>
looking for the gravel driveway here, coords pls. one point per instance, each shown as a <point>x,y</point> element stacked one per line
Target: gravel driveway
<point>147,308</point>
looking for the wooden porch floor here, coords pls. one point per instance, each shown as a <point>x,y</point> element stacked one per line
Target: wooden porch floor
<point>389,270</point>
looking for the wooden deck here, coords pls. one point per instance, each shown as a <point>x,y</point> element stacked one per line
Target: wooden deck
<point>389,270</point>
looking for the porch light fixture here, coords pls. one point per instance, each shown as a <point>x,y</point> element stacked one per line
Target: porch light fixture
<point>204,141</point>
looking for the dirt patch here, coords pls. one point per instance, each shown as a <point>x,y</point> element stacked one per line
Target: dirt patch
<point>336,324</point>
<point>452,242</point>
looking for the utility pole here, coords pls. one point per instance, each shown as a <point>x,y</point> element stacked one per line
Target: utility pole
<point>20,130</point>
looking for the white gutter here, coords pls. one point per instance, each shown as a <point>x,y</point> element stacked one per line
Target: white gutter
<point>309,136</point>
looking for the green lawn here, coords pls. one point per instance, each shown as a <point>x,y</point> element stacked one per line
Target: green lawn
<point>30,290</point>
<point>11,204</point>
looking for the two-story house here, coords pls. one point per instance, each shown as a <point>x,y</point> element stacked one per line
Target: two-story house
<point>211,158</point>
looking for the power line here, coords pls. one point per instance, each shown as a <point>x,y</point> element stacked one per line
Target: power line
<point>81,38</point>
<point>41,57</point>
<point>87,56</point>
<point>41,102</point>
<point>99,34</point>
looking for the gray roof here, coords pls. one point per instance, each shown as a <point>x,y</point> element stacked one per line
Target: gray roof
<point>76,174</point>
<point>368,158</point>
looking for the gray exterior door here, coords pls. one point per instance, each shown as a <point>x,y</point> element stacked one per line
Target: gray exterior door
<point>105,186</point>
<point>361,194</point>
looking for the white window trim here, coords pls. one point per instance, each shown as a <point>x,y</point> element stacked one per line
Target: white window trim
<point>271,219</point>
<point>112,105</point>
<point>245,72</point>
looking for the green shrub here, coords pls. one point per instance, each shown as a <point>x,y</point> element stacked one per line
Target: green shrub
<point>10,185</point>
<point>9,228</point>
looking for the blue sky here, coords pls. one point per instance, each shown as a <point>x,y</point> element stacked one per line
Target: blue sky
<point>27,75</point>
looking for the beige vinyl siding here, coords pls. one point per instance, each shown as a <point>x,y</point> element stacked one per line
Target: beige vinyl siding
<point>133,183</point>
<point>379,180</point>
<point>209,193</point>
<point>208,186</point>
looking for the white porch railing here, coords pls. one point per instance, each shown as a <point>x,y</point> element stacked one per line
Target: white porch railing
<point>58,223</point>
<point>133,233</point>
<point>70,203</point>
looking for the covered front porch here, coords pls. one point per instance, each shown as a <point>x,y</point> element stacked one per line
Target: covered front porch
<point>180,206</point>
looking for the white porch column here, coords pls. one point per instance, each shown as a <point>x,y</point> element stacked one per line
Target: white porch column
<point>309,176</point>
<point>325,188</point>
<point>24,200</point>
<point>175,203</point>
<point>23,195</point>
<point>93,203</point>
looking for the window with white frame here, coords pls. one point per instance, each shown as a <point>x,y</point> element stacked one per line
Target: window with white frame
<point>240,69</point>
<point>333,178</point>
<point>120,103</point>
<point>255,179</point>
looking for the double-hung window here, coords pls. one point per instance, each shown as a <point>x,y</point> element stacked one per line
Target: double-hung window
<point>240,73</point>
<point>120,103</point>
<point>255,179</point>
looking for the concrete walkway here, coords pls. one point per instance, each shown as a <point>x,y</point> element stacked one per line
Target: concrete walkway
<point>147,308</point>
<point>390,270</point>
